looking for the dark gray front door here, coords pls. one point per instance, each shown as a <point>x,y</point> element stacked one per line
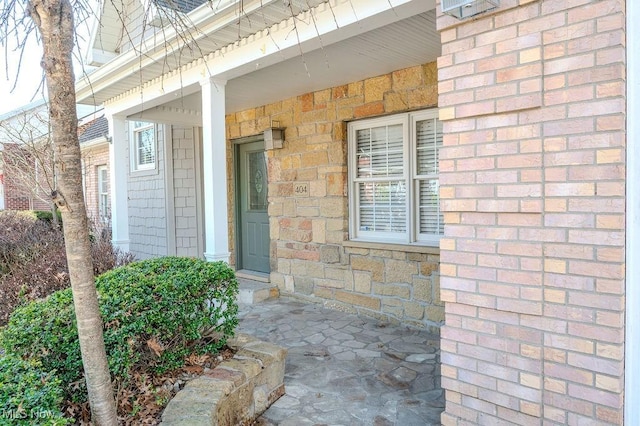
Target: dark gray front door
<point>253,217</point>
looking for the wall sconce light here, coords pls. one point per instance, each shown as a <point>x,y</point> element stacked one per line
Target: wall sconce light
<point>274,136</point>
<point>462,9</point>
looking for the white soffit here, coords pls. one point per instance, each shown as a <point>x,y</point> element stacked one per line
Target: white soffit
<point>410,42</point>
<point>407,43</point>
<point>216,25</point>
<point>340,42</point>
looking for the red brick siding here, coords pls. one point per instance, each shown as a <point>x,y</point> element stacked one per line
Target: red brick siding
<point>532,177</point>
<point>93,158</point>
<point>18,195</point>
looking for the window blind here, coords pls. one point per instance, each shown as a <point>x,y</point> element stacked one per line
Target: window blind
<point>428,143</point>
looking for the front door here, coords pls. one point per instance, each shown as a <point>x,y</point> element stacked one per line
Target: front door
<point>253,219</point>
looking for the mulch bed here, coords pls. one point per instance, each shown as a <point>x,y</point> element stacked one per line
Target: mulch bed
<point>142,401</point>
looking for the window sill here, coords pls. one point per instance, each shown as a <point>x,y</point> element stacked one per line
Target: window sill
<point>144,172</point>
<point>410,248</point>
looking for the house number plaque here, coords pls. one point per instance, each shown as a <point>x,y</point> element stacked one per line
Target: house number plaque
<point>301,189</point>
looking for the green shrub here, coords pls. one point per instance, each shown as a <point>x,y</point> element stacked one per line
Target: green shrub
<point>155,312</point>
<point>28,395</point>
<point>169,303</point>
<point>46,330</point>
<point>47,215</point>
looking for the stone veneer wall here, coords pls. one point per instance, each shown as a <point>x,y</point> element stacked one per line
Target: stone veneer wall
<point>532,96</point>
<point>308,206</point>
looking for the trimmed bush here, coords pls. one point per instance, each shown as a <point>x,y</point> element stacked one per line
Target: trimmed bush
<point>45,330</point>
<point>155,313</point>
<point>28,395</point>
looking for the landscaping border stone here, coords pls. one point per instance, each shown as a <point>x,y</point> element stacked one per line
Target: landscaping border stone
<point>236,392</point>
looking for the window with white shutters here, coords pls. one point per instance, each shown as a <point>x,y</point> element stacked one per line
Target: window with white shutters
<point>426,131</point>
<point>103,193</point>
<point>393,179</point>
<point>143,147</point>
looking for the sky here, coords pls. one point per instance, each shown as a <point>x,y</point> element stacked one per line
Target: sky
<point>29,74</point>
<point>28,78</point>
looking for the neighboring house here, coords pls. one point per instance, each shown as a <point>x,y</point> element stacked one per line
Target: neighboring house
<point>508,202</point>
<point>93,133</point>
<point>24,182</point>
<point>1,181</point>
<point>1,187</point>
<point>26,158</point>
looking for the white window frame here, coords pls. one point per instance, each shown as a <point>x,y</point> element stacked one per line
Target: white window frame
<point>103,196</point>
<point>136,128</point>
<point>411,179</point>
<point>83,168</point>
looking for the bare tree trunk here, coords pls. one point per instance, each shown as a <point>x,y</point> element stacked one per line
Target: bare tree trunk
<point>54,216</point>
<point>54,207</point>
<point>54,19</point>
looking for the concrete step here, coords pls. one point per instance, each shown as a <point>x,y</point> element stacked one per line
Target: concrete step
<point>252,291</point>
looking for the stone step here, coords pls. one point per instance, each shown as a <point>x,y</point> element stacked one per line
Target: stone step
<point>252,291</point>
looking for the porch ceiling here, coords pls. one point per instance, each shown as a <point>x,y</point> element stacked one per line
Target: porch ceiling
<point>406,43</point>
<point>412,41</point>
<point>212,27</point>
<point>349,41</point>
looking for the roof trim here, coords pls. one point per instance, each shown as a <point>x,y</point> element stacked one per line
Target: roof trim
<point>329,22</point>
<point>133,60</point>
<point>94,143</point>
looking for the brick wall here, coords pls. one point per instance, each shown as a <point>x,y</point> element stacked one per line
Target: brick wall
<point>20,191</point>
<point>1,187</point>
<point>310,255</point>
<point>532,181</point>
<point>93,158</point>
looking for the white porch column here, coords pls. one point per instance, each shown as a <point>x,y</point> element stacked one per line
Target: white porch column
<point>214,158</point>
<point>118,172</point>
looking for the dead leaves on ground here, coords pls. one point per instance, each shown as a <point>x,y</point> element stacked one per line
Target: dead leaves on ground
<point>142,400</point>
<point>155,346</point>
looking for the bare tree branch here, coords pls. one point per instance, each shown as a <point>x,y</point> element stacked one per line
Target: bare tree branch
<point>28,154</point>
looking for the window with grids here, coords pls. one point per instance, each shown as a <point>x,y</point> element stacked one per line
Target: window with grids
<point>143,145</point>
<point>393,179</point>
<point>103,193</point>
